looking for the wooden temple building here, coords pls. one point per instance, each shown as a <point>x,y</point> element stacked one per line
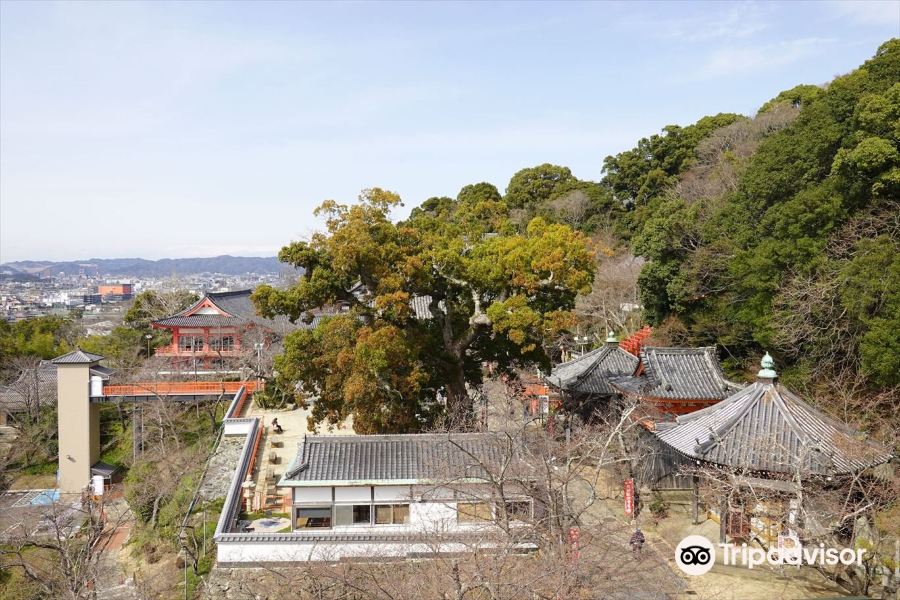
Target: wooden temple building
<point>214,332</point>
<point>676,381</point>
<point>583,383</point>
<point>766,437</point>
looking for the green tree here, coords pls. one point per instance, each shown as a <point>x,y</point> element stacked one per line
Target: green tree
<point>46,337</point>
<point>535,185</point>
<point>493,294</point>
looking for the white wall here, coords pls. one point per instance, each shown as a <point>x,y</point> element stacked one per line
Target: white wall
<point>302,551</point>
<point>238,426</point>
<point>433,516</point>
<point>315,495</point>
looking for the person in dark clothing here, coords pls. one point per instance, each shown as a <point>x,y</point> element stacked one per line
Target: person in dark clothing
<point>277,425</point>
<point>637,542</point>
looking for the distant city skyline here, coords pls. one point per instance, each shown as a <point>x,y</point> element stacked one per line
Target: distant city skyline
<point>164,130</point>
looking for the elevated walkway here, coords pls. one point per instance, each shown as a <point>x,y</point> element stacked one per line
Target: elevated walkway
<point>182,390</point>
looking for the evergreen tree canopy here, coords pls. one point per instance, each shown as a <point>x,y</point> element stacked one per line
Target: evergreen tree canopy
<point>494,293</point>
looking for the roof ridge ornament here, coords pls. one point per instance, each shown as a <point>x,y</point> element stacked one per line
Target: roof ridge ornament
<point>611,337</point>
<point>767,372</point>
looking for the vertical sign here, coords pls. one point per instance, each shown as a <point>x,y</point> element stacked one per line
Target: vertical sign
<point>629,497</point>
<point>574,538</point>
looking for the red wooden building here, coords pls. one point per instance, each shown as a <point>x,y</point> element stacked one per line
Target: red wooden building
<point>219,329</point>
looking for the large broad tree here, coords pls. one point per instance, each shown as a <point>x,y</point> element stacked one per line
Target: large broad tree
<point>430,300</point>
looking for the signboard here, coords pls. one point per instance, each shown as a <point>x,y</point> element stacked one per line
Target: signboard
<point>574,538</point>
<point>629,497</point>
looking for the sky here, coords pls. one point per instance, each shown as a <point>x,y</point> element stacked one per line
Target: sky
<point>167,129</point>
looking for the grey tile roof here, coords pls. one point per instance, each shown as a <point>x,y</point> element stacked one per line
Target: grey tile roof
<point>421,308</point>
<point>589,373</point>
<point>431,537</point>
<point>398,458</point>
<point>40,380</point>
<point>78,357</point>
<point>201,321</point>
<point>240,311</point>
<point>764,427</point>
<point>678,374</point>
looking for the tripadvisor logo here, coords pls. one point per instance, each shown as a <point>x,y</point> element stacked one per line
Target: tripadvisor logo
<point>695,555</point>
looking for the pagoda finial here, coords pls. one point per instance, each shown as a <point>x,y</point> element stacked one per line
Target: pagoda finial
<point>611,337</point>
<point>767,372</point>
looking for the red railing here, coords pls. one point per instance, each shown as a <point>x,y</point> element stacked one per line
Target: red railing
<point>255,451</point>
<point>180,388</point>
<point>173,350</point>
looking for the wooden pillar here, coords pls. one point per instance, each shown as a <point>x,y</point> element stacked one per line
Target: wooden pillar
<point>723,519</point>
<point>695,499</point>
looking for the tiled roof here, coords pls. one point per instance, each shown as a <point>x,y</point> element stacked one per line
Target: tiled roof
<point>421,308</point>
<point>678,374</point>
<point>78,357</point>
<point>201,321</point>
<point>42,377</point>
<point>408,458</point>
<point>589,373</point>
<point>764,427</point>
<point>240,311</point>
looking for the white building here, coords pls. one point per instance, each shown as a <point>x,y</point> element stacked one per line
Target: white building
<point>392,496</point>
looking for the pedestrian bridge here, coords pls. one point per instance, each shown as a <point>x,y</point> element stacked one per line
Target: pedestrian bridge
<point>183,390</point>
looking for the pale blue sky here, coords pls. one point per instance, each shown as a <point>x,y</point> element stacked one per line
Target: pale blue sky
<point>194,129</point>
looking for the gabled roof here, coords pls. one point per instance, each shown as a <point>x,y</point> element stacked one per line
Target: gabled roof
<point>236,309</point>
<point>678,374</point>
<point>764,427</point>
<point>78,357</point>
<point>590,372</point>
<point>393,459</point>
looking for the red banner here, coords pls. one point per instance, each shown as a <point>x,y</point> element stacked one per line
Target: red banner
<point>629,497</point>
<point>574,538</point>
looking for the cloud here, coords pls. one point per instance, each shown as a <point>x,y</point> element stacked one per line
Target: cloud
<point>739,21</point>
<point>872,12</point>
<point>734,60</point>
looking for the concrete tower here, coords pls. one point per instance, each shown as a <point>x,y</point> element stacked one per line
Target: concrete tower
<point>78,420</point>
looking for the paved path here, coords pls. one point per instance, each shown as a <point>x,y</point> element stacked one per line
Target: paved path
<point>277,450</point>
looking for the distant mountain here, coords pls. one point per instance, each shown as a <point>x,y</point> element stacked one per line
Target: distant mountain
<point>8,273</point>
<point>139,267</point>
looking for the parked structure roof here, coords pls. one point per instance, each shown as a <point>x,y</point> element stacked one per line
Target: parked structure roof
<point>677,374</point>
<point>764,427</point>
<point>394,459</point>
<point>78,357</point>
<point>590,372</point>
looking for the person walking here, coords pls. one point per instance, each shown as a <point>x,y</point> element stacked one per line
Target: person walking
<point>637,542</point>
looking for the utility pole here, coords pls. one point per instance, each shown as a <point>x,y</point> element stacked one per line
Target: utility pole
<point>258,346</point>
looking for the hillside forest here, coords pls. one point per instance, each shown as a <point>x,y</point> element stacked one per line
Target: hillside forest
<point>775,232</point>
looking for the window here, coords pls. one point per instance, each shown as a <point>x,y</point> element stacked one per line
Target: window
<point>189,343</point>
<point>224,343</point>
<point>518,510</point>
<point>353,514</point>
<point>473,512</point>
<point>313,516</point>
<point>391,514</point>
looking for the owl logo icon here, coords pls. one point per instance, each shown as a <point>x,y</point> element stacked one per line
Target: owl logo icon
<point>695,555</point>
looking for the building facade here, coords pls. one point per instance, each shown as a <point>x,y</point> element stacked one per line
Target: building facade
<point>356,497</point>
<point>214,332</point>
